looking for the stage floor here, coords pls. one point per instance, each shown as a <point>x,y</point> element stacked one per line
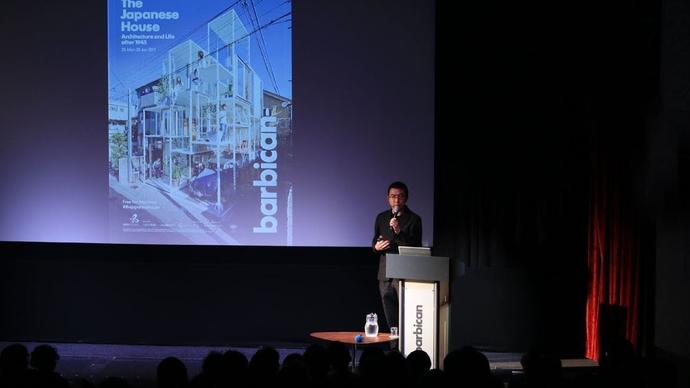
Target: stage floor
<point>137,363</point>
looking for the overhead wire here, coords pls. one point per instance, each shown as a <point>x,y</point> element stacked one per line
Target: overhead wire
<point>144,79</point>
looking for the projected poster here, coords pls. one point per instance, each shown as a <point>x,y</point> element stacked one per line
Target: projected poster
<point>200,122</point>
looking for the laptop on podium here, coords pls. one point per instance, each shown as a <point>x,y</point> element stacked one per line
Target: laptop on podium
<point>414,251</point>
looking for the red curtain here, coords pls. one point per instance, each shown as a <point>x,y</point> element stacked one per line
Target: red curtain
<point>613,258</point>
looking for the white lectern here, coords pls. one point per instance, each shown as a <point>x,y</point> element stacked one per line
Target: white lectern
<point>420,303</point>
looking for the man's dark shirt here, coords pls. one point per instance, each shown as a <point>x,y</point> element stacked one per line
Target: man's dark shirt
<point>410,233</point>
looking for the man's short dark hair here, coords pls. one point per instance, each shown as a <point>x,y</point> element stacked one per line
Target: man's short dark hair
<point>398,185</point>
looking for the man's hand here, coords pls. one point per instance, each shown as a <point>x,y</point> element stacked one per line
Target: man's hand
<point>382,245</point>
<point>395,226</point>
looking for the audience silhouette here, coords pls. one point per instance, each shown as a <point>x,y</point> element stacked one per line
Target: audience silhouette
<point>316,359</point>
<point>417,365</point>
<point>263,367</point>
<point>468,367</point>
<point>293,373</point>
<point>44,359</point>
<point>330,367</point>
<point>14,365</point>
<point>340,374</point>
<point>541,370</point>
<point>171,373</point>
<point>237,366</point>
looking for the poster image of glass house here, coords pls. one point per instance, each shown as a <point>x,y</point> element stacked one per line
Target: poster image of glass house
<point>200,121</point>
<point>196,129</point>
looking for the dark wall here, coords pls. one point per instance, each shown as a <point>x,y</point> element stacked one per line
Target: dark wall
<point>183,294</point>
<point>668,176</point>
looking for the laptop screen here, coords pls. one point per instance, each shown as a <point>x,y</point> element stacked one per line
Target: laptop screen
<point>414,251</point>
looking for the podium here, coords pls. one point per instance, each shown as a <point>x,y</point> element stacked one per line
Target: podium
<point>423,306</point>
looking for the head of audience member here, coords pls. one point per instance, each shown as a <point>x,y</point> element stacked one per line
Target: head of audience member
<point>467,367</point>
<point>171,373</point>
<point>293,373</point>
<point>318,364</point>
<point>264,364</point>
<point>371,366</point>
<point>14,359</point>
<point>339,356</point>
<point>417,364</point>
<point>394,367</point>
<point>541,369</point>
<point>44,358</point>
<point>237,364</point>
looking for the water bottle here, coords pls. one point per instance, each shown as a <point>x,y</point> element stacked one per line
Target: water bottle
<point>371,327</point>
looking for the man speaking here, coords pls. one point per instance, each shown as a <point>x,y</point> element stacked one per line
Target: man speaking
<point>394,227</point>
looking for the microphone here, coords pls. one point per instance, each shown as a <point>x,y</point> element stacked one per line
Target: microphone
<point>396,213</point>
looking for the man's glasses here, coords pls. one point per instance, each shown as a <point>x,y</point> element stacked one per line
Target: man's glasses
<point>394,196</point>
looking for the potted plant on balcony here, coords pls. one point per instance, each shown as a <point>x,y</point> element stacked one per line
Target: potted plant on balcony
<point>163,89</point>
<point>228,92</point>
